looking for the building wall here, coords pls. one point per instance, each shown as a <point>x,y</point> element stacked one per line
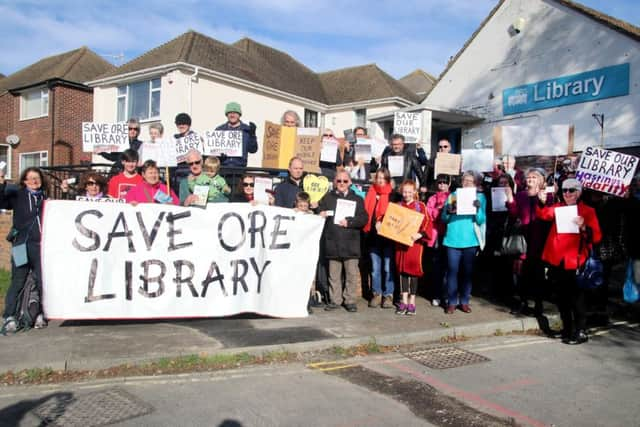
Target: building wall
<point>340,120</point>
<point>556,41</point>
<point>72,107</point>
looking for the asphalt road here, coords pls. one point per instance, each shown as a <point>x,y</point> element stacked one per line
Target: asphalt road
<point>510,380</point>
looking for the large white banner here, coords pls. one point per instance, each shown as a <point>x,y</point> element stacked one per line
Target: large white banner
<point>114,261</point>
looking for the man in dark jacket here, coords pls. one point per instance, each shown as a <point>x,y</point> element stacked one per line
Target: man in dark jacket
<point>249,140</point>
<point>342,240</point>
<point>286,191</point>
<point>134,144</point>
<point>411,165</point>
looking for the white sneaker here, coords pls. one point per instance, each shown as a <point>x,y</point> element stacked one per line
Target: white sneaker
<point>40,322</point>
<point>435,302</point>
<point>10,325</point>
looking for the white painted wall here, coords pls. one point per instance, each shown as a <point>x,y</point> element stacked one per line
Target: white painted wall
<point>556,41</point>
<point>340,120</point>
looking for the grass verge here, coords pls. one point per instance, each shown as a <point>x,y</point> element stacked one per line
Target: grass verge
<point>5,281</point>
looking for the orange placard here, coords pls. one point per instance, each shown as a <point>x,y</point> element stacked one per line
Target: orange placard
<point>400,224</point>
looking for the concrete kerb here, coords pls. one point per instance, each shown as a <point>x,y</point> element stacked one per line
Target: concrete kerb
<point>421,337</point>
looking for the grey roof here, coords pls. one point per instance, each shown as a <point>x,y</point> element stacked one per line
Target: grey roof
<point>418,81</point>
<point>77,66</point>
<point>258,63</point>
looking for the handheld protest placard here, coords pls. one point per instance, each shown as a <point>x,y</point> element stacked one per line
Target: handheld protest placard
<point>227,142</point>
<point>316,186</point>
<point>400,224</point>
<point>308,148</point>
<point>606,171</point>
<point>271,145</point>
<point>408,125</point>
<point>447,164</point>
<point>104,137</point>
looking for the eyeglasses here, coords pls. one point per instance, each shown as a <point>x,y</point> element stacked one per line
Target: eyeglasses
<point>327,135</point>
<point>443,147</point>
<point>136,129</point>
<point>569,190</point>
<point>197,162</point>
<point>248,184</point>
<point>342,181</point>
<point>91,183</point>
<point>442,182</point>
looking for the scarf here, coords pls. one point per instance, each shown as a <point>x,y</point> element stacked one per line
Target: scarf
<point>376,202</point>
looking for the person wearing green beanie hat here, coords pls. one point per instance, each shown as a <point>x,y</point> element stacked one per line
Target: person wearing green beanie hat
<point>233,111</point>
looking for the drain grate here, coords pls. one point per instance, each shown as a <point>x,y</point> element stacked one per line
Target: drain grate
<point>92,409</point>
<point>445,357</point>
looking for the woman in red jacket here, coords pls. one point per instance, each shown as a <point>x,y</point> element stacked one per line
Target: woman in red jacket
<point>565,252</point>
<point>409,258</point>
<point>380,248</point>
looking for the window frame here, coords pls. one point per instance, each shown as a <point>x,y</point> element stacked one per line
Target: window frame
<point>125,96</point>
<point>364,116</point>
<point>7,170</point>
<point>45,158</point>
<point>308,115</point>
<point>44,93</point>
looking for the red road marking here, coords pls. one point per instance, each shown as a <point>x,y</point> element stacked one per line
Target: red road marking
<point>471,397</point>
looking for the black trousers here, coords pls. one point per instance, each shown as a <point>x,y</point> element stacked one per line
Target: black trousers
<point>532,281</point>
<point>19,278</point>
<point>571,301</point>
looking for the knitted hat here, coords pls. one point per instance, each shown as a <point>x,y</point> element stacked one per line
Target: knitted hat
<point>183,119</point>
<point>232,107</point>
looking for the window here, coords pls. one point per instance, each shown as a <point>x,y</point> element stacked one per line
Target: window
<point>140,100</point>
<point>35,159</point>
<point>361,118</point>
<point>5,156</point>
<point>34,104</point>
<point>310,118</point>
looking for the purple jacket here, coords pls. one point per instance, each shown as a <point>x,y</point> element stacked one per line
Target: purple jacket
<point>535,230</point>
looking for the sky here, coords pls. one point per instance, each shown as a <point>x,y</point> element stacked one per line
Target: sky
<point>399,36</point>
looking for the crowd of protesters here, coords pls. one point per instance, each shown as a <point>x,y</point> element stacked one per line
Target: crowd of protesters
<point>446,247</point>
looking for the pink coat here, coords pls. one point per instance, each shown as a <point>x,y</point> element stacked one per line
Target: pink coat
<point>145,193</point>
<point>434,209</point>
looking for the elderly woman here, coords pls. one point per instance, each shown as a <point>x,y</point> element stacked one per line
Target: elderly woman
<point>566,252</point>
<point>291,119</point>
<point>151,190</point>
<point>462,241</point>
<point>528,267</point>
<point>92,185</point>
<point>26,203</point>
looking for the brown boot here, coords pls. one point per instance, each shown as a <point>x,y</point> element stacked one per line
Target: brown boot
<point>375,301</point>
<point>387,301</point>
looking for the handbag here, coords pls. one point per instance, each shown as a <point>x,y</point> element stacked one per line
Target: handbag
<point>630,290</point>
<point>591,274</point>
<point>513,240</point>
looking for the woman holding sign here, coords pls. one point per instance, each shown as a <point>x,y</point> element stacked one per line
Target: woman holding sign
<point>380,248</point>
<point>463,213</point>
<point>409,258</point>
<point>151,190</point>
<point>574,230</point>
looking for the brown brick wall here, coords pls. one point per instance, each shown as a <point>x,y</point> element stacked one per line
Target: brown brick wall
<point>5,247</point>
<point>72,107</point>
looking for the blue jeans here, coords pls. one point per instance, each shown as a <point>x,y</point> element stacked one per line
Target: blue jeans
<point>381,252</point>
<point>459,293</point>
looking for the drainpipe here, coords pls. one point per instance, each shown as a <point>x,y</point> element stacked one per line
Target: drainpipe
<point>192,78</point>
<point>52,105</point>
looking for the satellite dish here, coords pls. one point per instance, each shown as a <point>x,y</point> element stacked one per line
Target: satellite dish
<point>13,139</point>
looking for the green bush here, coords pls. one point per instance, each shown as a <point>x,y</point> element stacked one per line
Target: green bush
<point>5,280</point>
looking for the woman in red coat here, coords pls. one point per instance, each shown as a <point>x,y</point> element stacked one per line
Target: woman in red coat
<point>409,258</point>
<point>565,252</point>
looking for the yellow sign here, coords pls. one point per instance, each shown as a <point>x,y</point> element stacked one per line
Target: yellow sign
<point>400,224</point>
<point>316,186</point>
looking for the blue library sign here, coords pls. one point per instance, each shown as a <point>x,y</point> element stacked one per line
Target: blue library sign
<point>583,87</point>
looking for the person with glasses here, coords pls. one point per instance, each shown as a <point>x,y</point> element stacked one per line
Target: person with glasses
<point>342,241</point>
<point>120,184</point>
<point>462,243</point>
<point>343,156</point>
<point>286,191</point>
<point>134,144</point>
<point>151,190</point>
<point>26,202</point>
<point>244,191</point>
<point>217,185</point>
<point>435,204</point>
<point>92,185</point>
<point>444,146</point>
<point>233,111</point>
<point>565,253</point>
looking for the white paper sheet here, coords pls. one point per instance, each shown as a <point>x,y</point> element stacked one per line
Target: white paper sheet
<point>260,191</point>
<point>464,201</point>
<point>202,192</point>
<point>378,146</point>
<point>565,219</point>
<point>329,151</point>
<point>396,165</point>
<point>498,199</point>
<point>344,209</point>
<point>363,151</point>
